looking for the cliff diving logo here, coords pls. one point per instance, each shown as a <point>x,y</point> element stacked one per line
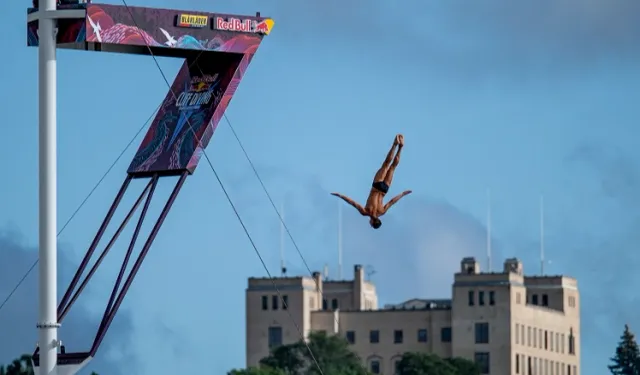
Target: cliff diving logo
<point>244,26</point>
<point>198,93</point>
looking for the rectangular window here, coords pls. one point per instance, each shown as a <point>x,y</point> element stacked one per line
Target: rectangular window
<point>546,367</point>
<point>351,337</point>
<point>285,302</point>
<point>492,298</point>
<point>529,366</point>
<point>546,340</point>
<point>551,368</point>
<point>517,333</point>
<point>568,369</point>
<point>324,304</point>
<point>445,334</point>
<point>481,298</point>
<point>482,359</point>
<point>334,304</point>
<point>534,299</point>
<point>518,298</point>
<point>557,368</point>
<point>375,367</point>
<point>528,336</point>
<point>535,337</point>
<point>275,337</point>
<point>572,342</point>
<point>540,338</point>
<point>575,370</point>
<point>557,342</point>
<point>522,335</point>
<point>482,333</point>
<point>274,302</point>
<point>517,363</point>
<point>265,303</point>
<point>551,341</point>
<point>374,337</point>
<point>472,298</point>
<point>422,335</point>
<point>562,344</point>
<point>397,336</point>
<point>545,300</point>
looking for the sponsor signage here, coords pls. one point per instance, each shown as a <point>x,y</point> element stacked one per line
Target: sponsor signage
<point>192,21</point>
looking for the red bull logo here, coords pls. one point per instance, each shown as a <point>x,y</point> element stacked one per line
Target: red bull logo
<point>243,26</point>
<point>199,87</point>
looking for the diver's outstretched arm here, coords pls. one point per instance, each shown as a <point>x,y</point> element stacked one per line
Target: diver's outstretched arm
<point>395,200</point>
<point>351,202</point>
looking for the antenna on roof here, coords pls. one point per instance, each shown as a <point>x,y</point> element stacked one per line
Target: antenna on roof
<point>370,271</point>
<point>283,268</point>
<point>488,230</point>
<point>541,235</point>
<point>339,240</point>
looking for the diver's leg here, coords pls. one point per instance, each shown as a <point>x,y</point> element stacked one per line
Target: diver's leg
<point>388,178</point>
<point>387,162</point>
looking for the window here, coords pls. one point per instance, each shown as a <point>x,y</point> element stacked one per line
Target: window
<point>396,367</point>
<point>422,335</point>
<point>351,337</point>
<point>545,300</point>
<point>551,341</point>
<point>482,360</point>
<point>572,343</point>
<point>482,333</point>
<point>528,336</point>
<point>568,369</point>
<point>445,334</point>
<point>397,336</point>
<point>324,304</point>
<point>481,298</point>
<point>334,304</point>
<point>546,367</point>
<point>562,344</point>
<point>534,299</point>
<point>285,302</point>
<point>535,337</point>
<point>472,298</point>
<point>518,298</point>
<point>275,337</point>
<point>265,303</point>
<point>517,363</point>
<point>374,337</point>
<point>375,367</point>
<point>546,340</point>
<point>517,333</point>
<point>557,342</point>
<point>575,370</point>
<point>551,368</point>
<point>557,368</point>
<point>274,302</point>
<point>522,335</point>
<point>529,366</point>
<point>492,298</point>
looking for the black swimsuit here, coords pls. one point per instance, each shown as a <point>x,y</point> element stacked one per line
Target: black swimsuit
<point>381,186</point>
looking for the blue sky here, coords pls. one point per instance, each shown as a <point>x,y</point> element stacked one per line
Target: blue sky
<point>524,99</point>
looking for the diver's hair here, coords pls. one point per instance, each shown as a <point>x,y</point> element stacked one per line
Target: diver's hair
<point>376,223</point>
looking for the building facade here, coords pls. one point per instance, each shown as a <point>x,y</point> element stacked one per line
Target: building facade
<point>505,321</point>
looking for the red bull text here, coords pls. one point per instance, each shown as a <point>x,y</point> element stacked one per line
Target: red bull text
<point>243,26</point>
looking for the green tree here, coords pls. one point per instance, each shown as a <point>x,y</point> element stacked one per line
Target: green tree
<point>332,354</point>
<point>24,366</point>
<point>626,361</point>
<point>256,371</point>
<point>464,366</point>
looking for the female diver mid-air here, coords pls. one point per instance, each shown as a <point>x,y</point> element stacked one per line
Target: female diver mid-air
<point>375,208</point>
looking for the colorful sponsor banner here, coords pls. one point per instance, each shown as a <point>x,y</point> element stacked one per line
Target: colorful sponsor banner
<point>192,21</point>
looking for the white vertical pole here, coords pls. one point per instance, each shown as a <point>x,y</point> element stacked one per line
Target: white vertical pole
<point>541,235</point>
<point>282,264</point>
<point>339,241</point>
<point>47,320</point>
<point>489,230</point>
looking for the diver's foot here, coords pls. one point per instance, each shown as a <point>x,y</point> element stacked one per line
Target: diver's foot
<point>400,140</point>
